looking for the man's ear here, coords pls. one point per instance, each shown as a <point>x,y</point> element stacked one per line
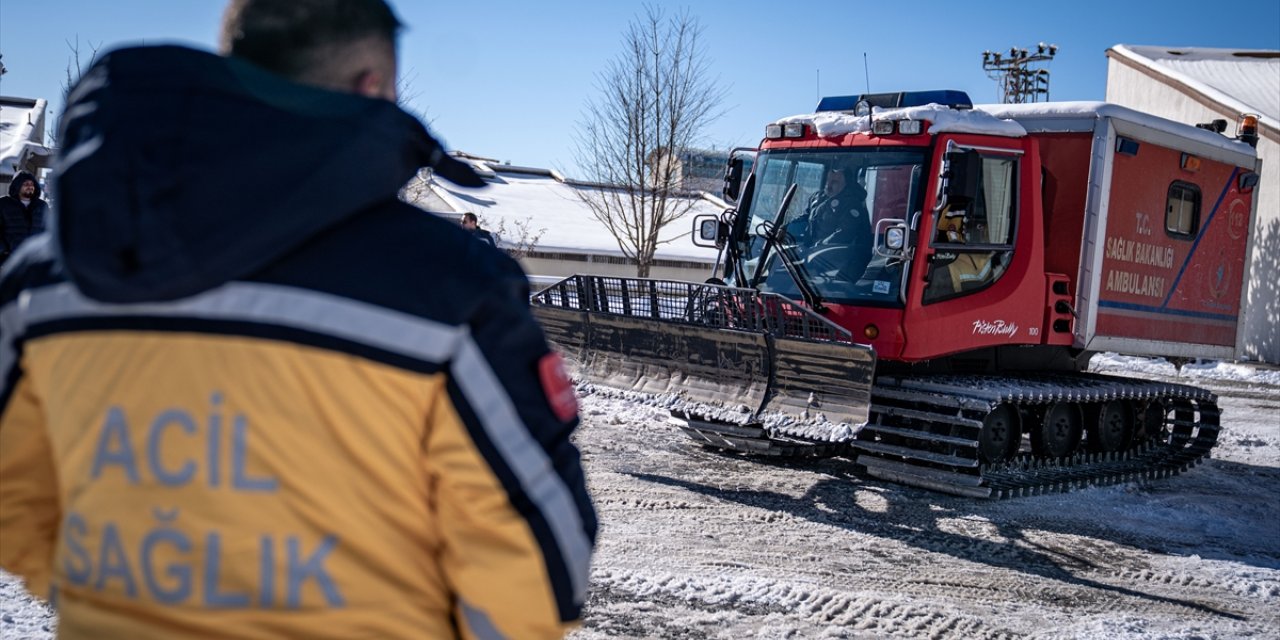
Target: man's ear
<point>374,84</point>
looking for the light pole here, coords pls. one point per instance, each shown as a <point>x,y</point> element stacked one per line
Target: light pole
<point>1019,83</point>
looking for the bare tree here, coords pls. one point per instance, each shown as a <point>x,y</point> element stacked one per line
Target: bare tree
<point>655,97</point>
<point>76,66</point>
<point>520,239</point>
<point>407,94</point>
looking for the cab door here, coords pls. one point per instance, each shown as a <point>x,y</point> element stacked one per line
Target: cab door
<point>978,278</point>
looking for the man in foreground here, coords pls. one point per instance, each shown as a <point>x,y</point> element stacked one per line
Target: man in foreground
<point>238,398</point>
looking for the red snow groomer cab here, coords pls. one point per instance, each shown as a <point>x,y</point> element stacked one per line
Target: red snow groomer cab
<point>918,284</point>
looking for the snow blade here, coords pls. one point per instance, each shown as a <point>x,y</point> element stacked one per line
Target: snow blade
<point>720,353</point>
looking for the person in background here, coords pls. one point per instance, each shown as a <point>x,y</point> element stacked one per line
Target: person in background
<point>968,270</point>
<point>22,213</point>
<point>472,224</point>
<point>267,412</point>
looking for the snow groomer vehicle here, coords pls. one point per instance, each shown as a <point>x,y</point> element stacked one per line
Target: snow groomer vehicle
<point>944,342</point>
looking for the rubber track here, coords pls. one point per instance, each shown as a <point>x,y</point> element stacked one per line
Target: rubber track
<point>923,432</point>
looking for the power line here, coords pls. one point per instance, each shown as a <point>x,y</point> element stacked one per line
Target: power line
<point>1019,82</point>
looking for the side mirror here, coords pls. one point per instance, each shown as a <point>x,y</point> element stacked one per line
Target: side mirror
<point>709,231</point>
<point>736,169</point>
<point>732,179</point>
<point>964,169</point>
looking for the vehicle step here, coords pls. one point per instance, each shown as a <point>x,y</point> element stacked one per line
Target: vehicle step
<point>921,435</point>
<point>938,399</point>
<point>915,454</point>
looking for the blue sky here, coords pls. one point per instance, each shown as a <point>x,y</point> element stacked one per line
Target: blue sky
<point>509,80</point>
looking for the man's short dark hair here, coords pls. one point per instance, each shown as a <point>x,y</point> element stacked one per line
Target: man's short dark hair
<point>295,37</point>
<point>468,216</point>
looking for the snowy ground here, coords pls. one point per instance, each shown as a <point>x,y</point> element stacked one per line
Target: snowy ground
<point>696,544</point>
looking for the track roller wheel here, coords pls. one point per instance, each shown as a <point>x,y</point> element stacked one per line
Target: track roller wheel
<point>1001,434</point>
<point>1150,421</point>
<point>1184,416</point>
<point>1110,426</point>
<point>1059,432</point>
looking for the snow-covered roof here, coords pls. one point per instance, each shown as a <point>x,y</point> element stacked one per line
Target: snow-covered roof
<point>542,199</point>
<point>21,133</point>
<point>1243,80</point>
<point>942,119</point>
<point>1086,111</point>
<point>1010,120</point>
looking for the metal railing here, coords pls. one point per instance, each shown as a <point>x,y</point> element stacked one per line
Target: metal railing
<point>705,305</point>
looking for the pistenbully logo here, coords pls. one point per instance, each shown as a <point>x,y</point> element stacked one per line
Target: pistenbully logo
<point>994,328</point>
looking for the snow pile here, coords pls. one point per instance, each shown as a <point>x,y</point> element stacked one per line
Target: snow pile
<point>729,413</point>
<point>943,120</point>
<point>814,428</point>
<point>818,429</point>
<point>1205,369</point>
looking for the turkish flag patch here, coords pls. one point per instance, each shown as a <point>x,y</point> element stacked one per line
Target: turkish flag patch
<point>557,386</point>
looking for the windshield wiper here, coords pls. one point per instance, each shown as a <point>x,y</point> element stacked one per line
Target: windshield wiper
<point>776,234</point>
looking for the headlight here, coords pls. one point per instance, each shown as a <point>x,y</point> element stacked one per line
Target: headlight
<point>895,238</point>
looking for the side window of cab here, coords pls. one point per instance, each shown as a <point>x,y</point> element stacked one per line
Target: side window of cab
<point>973,241</point>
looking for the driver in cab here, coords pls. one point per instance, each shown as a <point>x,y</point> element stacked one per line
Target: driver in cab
<point>838,225</point>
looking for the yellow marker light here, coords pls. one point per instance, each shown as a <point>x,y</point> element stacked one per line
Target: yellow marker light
<point>1190,162</point>
<point>1247,129</point>
<point>871,332</point>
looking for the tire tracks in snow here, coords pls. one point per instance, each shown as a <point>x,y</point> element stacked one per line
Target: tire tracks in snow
<point>699,544</point>
<point>821,608</point>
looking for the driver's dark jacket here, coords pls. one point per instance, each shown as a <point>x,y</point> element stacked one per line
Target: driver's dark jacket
<point>839,221</point>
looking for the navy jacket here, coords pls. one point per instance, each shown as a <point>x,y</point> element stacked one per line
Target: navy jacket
<point>18,221</point>
<point>245,391</point>
<point>484,236</point>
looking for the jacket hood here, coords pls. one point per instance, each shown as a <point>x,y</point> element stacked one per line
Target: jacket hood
<point>18,180</point>
<point>180,170</point>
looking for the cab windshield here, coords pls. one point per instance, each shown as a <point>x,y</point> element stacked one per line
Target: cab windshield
<point>828,229</point>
